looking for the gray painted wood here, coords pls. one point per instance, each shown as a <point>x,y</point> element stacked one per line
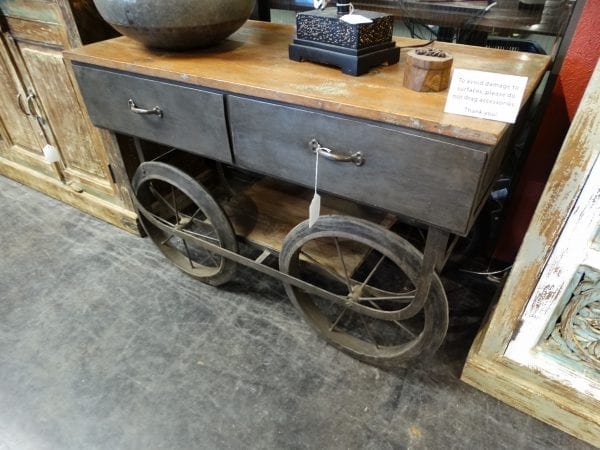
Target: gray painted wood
<point>432,180</point>
<point>193,119</point>
<point>437,181</point>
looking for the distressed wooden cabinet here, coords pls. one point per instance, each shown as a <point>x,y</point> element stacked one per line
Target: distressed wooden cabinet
<point>40,105</point>
<point>540,349</point>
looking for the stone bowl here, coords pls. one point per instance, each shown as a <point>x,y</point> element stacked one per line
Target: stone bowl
<point>176,24</point>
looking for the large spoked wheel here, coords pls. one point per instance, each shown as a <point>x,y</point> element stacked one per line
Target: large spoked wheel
<point>368,282</point>
<point>179,215</point>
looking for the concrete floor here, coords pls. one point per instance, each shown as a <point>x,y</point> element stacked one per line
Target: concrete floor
<point>104,345</point>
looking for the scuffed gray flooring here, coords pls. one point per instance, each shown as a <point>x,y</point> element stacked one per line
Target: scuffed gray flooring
<point>104,345</point>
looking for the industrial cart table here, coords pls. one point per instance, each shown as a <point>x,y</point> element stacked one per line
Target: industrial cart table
<point>243,125</point>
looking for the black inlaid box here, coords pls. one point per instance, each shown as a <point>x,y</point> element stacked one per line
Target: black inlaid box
<point>322,37</point>
<point>325,26</point>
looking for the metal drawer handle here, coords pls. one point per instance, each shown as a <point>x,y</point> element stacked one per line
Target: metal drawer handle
<point>31,107</point>
<point>20,103</point>
<point>356,158</point>
<point>155,111</point>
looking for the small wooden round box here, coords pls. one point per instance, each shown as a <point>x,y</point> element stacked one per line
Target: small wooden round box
<point>424,73</point>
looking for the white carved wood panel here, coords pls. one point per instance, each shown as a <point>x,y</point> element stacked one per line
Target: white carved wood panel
<point>559,333</point>
<point>540,349</point>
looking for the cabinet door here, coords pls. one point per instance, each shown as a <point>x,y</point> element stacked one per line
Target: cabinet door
<point>36,35</point>
<point>23,143</point>
<point>65,121</point>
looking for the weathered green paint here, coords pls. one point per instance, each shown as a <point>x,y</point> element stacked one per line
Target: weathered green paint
<point>506,359</point>
<point>30,10</point>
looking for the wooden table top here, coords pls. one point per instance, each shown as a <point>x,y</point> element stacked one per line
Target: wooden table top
<point>254,61</point>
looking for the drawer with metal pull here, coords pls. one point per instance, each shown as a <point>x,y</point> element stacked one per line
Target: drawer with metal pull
<point>166,112</point>
<point>434,180</point>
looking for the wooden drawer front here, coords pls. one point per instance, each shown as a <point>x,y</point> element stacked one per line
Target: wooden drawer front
<point>192,119</point>
<point>45,33</point>
<point>32,10</point>
<point>433,181</point>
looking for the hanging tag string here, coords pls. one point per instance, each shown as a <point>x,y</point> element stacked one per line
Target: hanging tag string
<point>316,170</point>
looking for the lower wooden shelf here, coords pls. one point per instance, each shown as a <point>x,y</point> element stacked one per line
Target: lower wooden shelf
<point>266,211</point>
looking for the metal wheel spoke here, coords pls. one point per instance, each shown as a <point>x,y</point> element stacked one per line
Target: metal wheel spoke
<point>336,276</point>
<point>338,319</point>
<point>165,222</point>
<point>177,219</point>
<point>212,234</point>
<point>372,290</point>
<point>206,236</point>
<point>167,239</point>
<point>217,263</point>
<point>368,330</point>
<point>406,329</point>
<point>159,197</point>
<point>329,271</point>
<point>202,236</point>
<point>372,271</point>
<point>396,298</point>
<point>403,327</point>
<point>188,232</point>
<point>193,216</point>
<point>348,282</point>
<point>187,251</point>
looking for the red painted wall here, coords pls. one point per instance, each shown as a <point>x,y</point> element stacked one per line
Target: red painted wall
<point>581,57</point>
<point>579,62</point>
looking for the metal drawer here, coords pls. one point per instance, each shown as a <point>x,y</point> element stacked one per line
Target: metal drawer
<point>190,119</point>
<point>436,181</point>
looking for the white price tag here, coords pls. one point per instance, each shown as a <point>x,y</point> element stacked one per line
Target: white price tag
<point>486,95</point>
<point>51,154</point>
<point>314,210</point>
<point>355,19</point>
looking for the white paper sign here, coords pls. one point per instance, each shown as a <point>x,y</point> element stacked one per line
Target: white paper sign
<point>487,95</point>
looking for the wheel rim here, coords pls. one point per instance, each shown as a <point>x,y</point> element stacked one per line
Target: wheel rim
<point>179,215</point>
<point>374,268</point>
